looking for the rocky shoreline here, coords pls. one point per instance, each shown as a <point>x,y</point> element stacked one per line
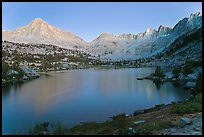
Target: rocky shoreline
<point>159,120</point>
<point>187,82</point>
<point>177,118</point>
<point>189,125</point>
<point>19,80</point>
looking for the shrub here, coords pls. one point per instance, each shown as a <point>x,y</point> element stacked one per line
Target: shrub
<point>5,69</point>
<point>119,117</point>
<point>176,71</point>
<point>194,63</point>
<point>188,69</point>
<point>85,128</point>
<point>151,128</point>
<point>192,105</point>
<point>59,129</point>
<point>158,72</point>
<point>38,129</point>
<point>189,66</point>
<point>199,83</point>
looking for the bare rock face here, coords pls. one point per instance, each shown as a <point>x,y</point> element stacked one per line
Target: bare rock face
<point>184,121</point>
<point>147,43</point>
<point>190,85</point>
<point>163,30</point>
<point>40,32</point>
<point>107,46</point>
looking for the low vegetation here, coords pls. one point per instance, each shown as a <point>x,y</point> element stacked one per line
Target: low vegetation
<point>176,71</point>
<point>193,104</point>
<point>123,125</point>
<point>7,73</point>
<point>198,88</point>
<point>159,73</point>
<point>152,128</point>
<point>39,129</point>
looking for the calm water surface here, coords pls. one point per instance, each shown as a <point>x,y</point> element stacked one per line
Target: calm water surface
<point>82,95</point>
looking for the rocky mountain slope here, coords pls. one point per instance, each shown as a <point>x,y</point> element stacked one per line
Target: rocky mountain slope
<point>187,47</point>
<point>106,46</point>
<point>134,46</point>
<point>40,32</point>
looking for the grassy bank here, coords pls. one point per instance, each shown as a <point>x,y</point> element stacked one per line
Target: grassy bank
<point>149,122</point>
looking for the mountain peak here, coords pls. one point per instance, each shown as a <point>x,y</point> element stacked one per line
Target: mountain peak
<point>164,30</point>
<point>38,21</point>
<point>105,34</point>
<point>41,32</point>
<point>150,31</point>
<point>196,14</point>
<point>163,27</point>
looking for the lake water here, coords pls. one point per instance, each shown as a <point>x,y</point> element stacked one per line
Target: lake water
<point>82,95</point>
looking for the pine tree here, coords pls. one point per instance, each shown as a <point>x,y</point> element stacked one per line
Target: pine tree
<point>158,72</point>
<point>199,83</point>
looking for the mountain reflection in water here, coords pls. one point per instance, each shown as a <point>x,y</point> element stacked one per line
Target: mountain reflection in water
<point>82,95</point>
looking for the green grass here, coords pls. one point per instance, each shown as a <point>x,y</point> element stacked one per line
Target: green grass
<point>192,105</point>
<point>86,128</point>
<point>59,129</point>
<point>38,129</point>
<point>153,127</point>
<point>117,122</point>
<point>119,117</point>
